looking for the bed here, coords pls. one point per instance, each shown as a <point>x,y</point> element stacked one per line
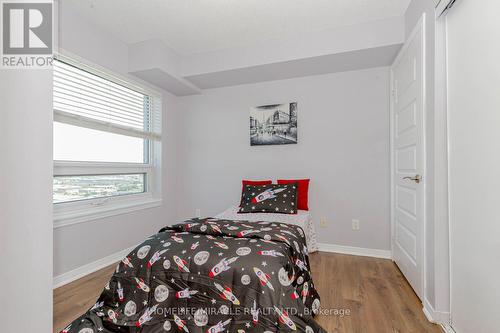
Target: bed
<point>211,275</point>
<point>302,219</point>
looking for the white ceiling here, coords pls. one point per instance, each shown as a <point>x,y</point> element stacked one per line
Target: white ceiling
<point>198,26</point>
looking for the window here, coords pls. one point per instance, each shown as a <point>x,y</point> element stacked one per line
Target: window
<point>107,134</point>
<point>74,188</point>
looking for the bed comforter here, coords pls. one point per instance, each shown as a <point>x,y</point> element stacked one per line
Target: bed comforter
<point>210,275</point>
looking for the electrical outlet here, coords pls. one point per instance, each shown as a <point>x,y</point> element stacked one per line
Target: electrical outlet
<point>355,224</point>
<point>198,212</point>
<point>323,223</point>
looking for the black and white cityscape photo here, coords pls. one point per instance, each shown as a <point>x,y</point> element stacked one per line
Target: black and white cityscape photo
<point>274,124</point>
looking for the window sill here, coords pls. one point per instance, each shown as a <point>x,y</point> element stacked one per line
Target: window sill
<point>67,218</point>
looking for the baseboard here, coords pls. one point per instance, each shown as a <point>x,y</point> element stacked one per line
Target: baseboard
<point>355,251</point>
<point>436,317</point>
<point>92,267</point>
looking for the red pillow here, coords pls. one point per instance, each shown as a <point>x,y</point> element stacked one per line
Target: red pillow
<point>302,191</point>
<point>254,183</point>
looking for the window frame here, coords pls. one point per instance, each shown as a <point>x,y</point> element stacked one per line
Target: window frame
<point>73,212</point>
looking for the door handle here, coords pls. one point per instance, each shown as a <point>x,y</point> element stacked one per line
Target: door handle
<point>416,178</point>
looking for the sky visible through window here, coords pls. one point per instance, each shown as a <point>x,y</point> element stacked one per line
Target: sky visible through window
<point>73,143</point>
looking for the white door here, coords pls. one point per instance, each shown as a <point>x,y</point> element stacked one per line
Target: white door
<point>408,158</point>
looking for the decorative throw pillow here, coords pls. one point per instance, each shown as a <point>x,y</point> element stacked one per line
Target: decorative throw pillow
<point>269,199</point>
<point>245,182</point>
<point>302,191</point>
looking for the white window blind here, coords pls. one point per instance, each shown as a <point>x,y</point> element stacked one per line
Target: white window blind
<point>93,100</point>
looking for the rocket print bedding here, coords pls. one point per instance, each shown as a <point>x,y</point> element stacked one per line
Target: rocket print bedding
<point>210,275</point>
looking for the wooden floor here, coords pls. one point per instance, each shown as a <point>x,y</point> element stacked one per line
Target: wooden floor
<point>73,299</point>
<point>371,293</point>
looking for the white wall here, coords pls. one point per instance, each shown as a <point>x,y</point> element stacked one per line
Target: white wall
<point>474,118</point>
<point>343,147</point>
<point>26,200</point>
<point>110,235</point>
